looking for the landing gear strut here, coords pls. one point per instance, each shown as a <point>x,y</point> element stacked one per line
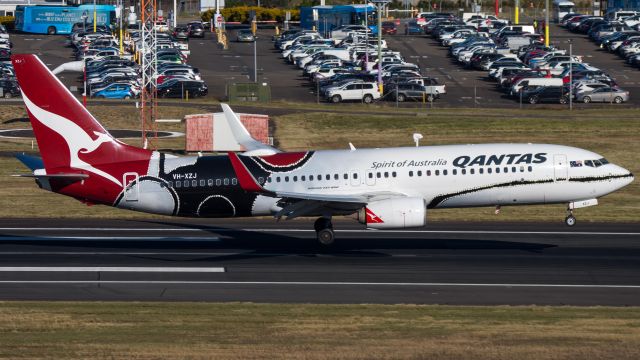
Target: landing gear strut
<point>324,231</point>
<point>570,220</point>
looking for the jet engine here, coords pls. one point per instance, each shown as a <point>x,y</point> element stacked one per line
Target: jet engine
<point>394,213</point>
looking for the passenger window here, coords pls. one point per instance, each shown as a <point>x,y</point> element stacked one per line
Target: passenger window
<point>378,175</point>
<point>328,177</point>
<point>210,182</point>
<point>277,178</point>
<point>225,181</point>
<point>370,175</point>
<point>530,169</point>
<point>386,174</point>
<point>170,184</point>
<point>444,172</point>
<point>410,173</point>
<point>521,168</point>
<point>310,177</point>
<point>428,172</point>
<point>513,169</point>
<point>455,171</point>
<point>506,169</point>
<point>286,179</point>
<point>336,177</point>
<point>472,171</point>
<point>394,174</point>
<point>419,172</point>
<point>497,170</point>
<point>481,170</point>
<point>186,183</point>
<point>234,181</point>
<point>218,182</point>
<point>345,176</point>
<point>489,171</point>
<point>178,184</point>
<point>295,178</point>
<point>355,175</point>
<point>437,172</point>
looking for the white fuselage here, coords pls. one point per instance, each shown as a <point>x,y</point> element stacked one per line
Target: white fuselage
<point>455,175</point>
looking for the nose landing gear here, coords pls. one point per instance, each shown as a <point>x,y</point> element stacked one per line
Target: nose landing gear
<point>324,231</point>
<point>570,220</point>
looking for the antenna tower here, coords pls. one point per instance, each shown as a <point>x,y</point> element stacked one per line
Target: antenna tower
<point>149,65</point>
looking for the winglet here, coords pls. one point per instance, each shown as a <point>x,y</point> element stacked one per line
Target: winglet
<point>242,136</point>
<point>245,178</point>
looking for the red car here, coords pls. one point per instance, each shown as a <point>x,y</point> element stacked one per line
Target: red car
<point>389,27</point>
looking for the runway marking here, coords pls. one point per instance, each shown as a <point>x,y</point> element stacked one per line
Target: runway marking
<point>111,269</point>
<point>320,283</point>
<point>111,238</point>
<point>203,229</point>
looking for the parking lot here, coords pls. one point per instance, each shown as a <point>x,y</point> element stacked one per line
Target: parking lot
<point>465,88</point>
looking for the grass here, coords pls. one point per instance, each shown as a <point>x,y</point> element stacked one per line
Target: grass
<point>299,331</point>
<point>614,134</point>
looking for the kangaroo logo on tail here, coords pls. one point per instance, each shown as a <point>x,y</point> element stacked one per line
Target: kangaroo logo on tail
<point>78,141</point>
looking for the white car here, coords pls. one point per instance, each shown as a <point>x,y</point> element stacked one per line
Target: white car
<point>366,92</point>
<point>343,32</point>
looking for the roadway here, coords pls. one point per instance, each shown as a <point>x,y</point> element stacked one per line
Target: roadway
<point>261,260</point>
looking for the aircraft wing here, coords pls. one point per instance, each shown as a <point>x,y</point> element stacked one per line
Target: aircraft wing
<point>242,136</point>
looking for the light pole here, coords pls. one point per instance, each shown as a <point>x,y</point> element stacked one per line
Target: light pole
<point>380,4</point>
<point>570,75</point>
<point>255,60</point>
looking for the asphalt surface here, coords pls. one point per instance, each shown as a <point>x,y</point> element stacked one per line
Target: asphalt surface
<point>465,88</point>
<point>266,261</point>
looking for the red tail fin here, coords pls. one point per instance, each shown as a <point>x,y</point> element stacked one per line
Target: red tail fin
<point>68,136</point>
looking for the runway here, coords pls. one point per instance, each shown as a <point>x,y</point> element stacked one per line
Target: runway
<point>266,261</point>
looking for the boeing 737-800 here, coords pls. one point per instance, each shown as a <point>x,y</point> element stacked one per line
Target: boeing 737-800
<point>386,188</point>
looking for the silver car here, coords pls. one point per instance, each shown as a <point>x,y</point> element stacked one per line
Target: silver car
<point>604,95</point>
<point>245,36</point>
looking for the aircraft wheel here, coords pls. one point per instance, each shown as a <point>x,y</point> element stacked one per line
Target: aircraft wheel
<point>570,220</point>
<point>326,236</point>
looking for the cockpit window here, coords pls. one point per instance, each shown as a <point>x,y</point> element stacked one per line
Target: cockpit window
<point>596,163</point>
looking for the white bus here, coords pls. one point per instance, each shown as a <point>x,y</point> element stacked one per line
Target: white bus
<point>561,8</point>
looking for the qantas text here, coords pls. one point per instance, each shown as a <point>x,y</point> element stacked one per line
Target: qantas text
<point>507,159</point>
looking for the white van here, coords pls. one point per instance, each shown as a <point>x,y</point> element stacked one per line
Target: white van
<point>515,89</point>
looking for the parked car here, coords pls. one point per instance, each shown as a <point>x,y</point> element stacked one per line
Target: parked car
<point>553,94</point>
<point>409,91</point>
<point>10,88</point>
<point>613,95</point>
<point>360,91</point>
<point>115,91</point>
<point>179,88</point>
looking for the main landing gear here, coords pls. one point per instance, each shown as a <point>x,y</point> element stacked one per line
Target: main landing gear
<point>570,220</point>
<point>324,231</point>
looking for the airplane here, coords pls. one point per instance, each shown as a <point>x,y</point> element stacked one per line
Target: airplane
<point>387,188</point>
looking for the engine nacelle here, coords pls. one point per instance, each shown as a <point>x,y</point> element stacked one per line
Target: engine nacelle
<point>394,213</point>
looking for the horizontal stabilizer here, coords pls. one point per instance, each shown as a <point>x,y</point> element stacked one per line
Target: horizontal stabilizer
<point>77,177</point>
<point>30,161</point>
